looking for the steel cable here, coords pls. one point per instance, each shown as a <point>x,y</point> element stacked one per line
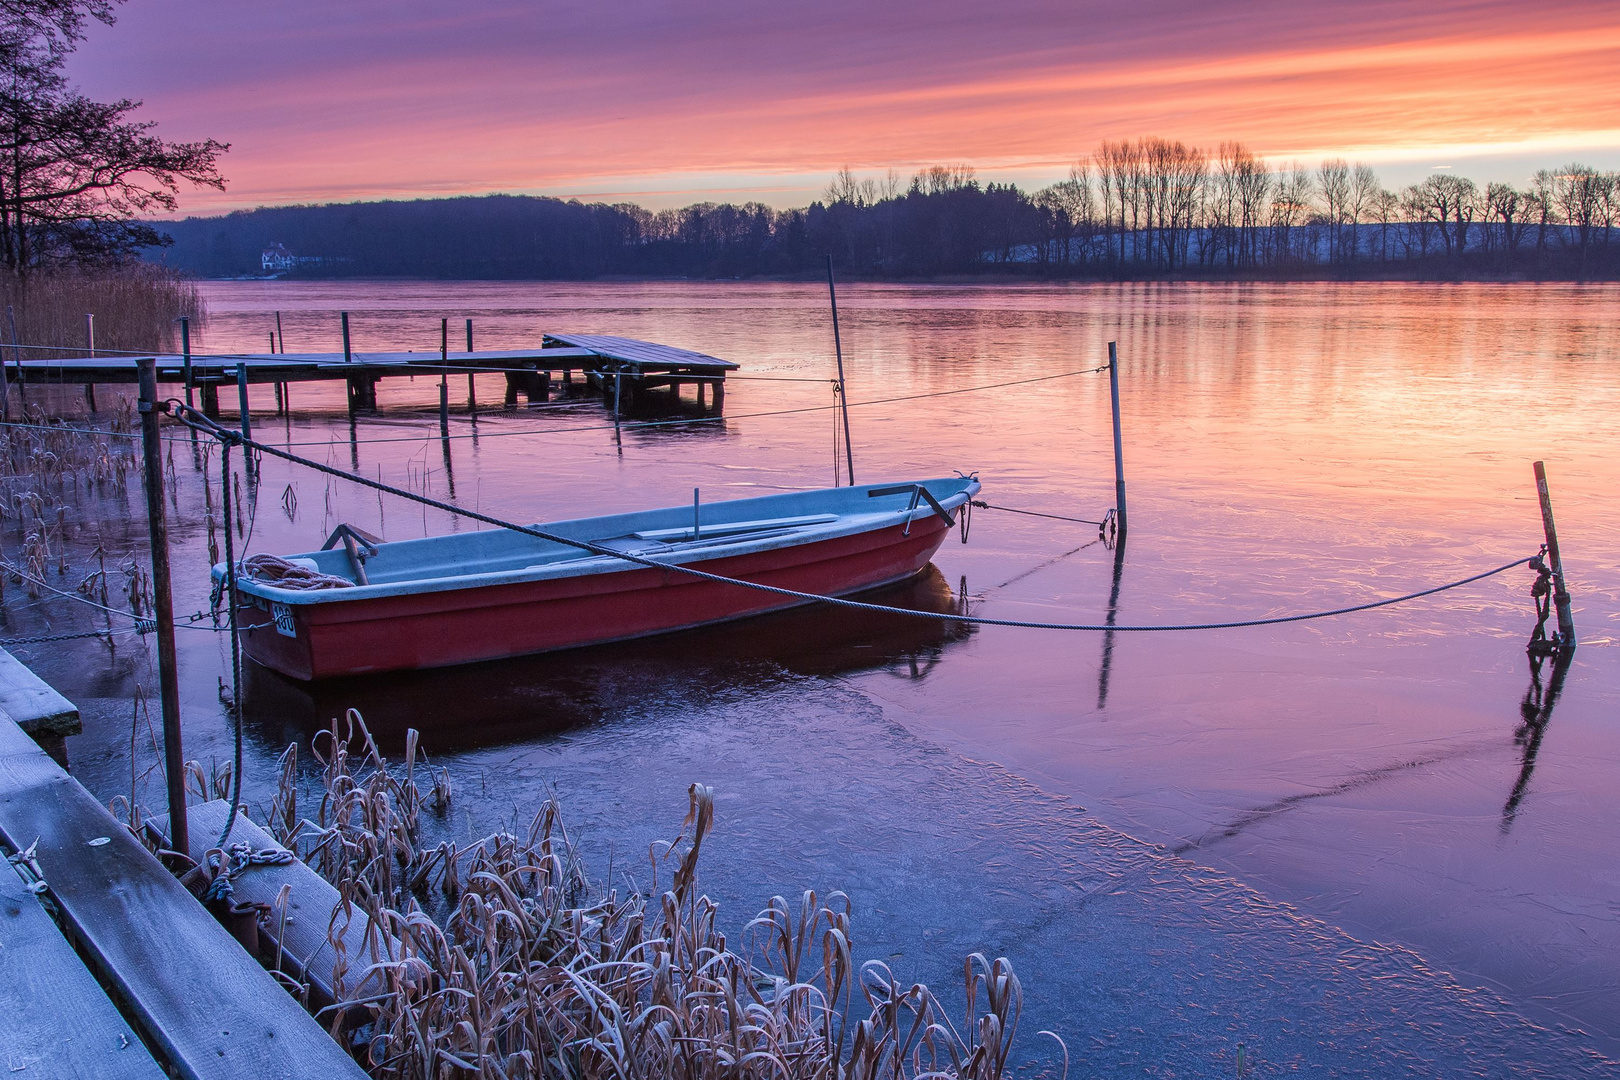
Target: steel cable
<point>191,417</point>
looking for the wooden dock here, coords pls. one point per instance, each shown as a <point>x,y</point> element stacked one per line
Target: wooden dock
<point>34,706</point>
<point>624,370</point>
<point>109,967</point>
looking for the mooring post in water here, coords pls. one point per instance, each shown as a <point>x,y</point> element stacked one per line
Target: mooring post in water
<point>280,337</point>
<point>472,390</point>
<point>174,762</point>
<point>1119,453</point>
<point>838,350</point>
<point>695,521</point>
<point>1555,563</point>
<point>348,355</point>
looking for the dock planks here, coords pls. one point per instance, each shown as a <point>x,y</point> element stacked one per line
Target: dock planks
<point>58,1023</point>
<point>307,954</point>
<point>205,1006</point>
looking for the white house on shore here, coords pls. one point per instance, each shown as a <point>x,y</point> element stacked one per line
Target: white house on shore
<point>277,258</point>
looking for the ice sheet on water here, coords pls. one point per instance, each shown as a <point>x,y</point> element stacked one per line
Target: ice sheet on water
<point>1139,959</point>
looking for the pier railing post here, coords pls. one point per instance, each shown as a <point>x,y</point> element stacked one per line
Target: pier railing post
<point>185,356</point>
<point>242,400</point>
<point>163,603</point>
<point>1119,453</point>
<point>444,376</point>
<point>1555,563</point>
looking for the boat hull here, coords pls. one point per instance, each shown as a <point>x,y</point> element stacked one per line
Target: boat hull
<point>441,629</point>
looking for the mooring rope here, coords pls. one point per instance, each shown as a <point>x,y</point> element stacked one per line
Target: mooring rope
<point>1033,513</point>
<point>192,418</point>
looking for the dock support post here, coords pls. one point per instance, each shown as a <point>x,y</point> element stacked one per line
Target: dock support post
<point>348,355</point>
<point>362,393</point>
<point>210,400</point>
<point>280,337</point>
<point>618,383</point>
<point>1555,563</point>
<point>719,405</point>
<point>1119,454</point>
<point>469,335</point>
<point>174,765</point>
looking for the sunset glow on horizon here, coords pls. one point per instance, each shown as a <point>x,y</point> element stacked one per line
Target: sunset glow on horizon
<point>729,101</point>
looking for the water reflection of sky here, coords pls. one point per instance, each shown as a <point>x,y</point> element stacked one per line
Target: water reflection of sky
<point>1295,792</point>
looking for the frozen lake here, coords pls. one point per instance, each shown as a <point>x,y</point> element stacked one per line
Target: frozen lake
<point>1353,846</point>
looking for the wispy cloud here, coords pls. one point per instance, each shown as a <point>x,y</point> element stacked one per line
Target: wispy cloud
<point>365,99</point>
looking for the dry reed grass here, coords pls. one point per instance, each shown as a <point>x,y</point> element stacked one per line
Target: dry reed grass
<point>48,475</point>
<point>135,308</point>
<point>530,970</point>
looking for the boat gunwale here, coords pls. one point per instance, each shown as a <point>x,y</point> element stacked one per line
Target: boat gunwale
<point>591,564</point>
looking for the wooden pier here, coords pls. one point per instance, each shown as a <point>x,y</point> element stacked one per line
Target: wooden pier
<point>633,375</point>
<point>109,967</point>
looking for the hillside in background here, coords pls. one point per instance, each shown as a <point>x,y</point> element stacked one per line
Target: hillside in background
<point>1136,210</point>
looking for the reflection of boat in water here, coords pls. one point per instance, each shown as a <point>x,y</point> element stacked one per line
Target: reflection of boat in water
<point>506,700</point>
<point>470,597</point>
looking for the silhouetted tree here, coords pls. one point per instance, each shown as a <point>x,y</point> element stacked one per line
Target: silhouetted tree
<point>76,174</point>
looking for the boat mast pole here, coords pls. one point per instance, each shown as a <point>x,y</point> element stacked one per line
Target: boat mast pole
<point>843,396</point>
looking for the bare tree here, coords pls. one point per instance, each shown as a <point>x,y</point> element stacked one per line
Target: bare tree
<point>76,174</point>
<point>1333,181</point>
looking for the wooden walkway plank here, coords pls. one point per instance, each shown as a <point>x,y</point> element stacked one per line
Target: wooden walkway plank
<point>558,353</point>
<point>307,953</point>
<point>643,354</point>
<point>29,700</point>
<point>58,1022</point>
<point>208,1008</point>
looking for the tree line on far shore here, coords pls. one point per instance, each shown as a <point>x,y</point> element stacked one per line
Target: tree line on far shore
<point>1144,208</point>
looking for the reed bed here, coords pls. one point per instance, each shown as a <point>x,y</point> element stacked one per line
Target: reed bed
<point>503,959</point>
<point>49,474</point>
<point>136,307</point>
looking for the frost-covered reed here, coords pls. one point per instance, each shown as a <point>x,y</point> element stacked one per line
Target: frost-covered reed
<point>502,958</point>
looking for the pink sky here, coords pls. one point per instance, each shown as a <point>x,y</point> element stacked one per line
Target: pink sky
<point>665,103</point>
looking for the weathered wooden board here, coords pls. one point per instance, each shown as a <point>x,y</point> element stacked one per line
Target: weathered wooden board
<point>58,1022</point>
<point>32,703</point>
<point>307,951</point>
<point>206,1007</point>
<point>643,354</point>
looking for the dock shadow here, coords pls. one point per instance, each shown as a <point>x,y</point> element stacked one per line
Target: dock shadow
<point>524,698</point>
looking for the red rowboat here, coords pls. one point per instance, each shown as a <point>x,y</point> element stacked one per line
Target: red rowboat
<point>439,601</point>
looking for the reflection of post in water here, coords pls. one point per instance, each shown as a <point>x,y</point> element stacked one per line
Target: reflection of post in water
<point>1534,713</point>
<point>1108,635</point>
<point>354,443</point>
<point>449,473</point>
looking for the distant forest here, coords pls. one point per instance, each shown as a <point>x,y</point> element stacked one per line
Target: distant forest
<point>1149,208</point>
